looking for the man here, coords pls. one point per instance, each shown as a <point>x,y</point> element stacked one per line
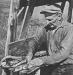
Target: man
<point>60,48</point>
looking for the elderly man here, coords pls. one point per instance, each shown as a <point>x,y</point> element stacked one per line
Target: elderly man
<point>60,47</point>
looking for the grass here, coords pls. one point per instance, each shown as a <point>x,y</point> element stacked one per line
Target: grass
<point>4,13</point>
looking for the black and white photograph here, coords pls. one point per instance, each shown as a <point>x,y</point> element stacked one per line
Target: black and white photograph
<point>36,37</point>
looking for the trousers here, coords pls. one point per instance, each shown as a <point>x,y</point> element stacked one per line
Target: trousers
<point>66,69</point>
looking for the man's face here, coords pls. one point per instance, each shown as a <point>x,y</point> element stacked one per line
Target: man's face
<point>56,19</point>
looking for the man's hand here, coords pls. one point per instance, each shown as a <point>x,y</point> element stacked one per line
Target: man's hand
<point>10,60</point>
<point>35,63</point>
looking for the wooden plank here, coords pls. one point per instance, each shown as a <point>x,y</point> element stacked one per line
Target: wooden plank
<point>39,2</point>
<point>8,33</point>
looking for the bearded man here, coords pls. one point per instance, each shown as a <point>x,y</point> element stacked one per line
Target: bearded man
<point>60,48</point>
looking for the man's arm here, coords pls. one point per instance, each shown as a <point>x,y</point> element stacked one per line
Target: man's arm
<point>63,53</point>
